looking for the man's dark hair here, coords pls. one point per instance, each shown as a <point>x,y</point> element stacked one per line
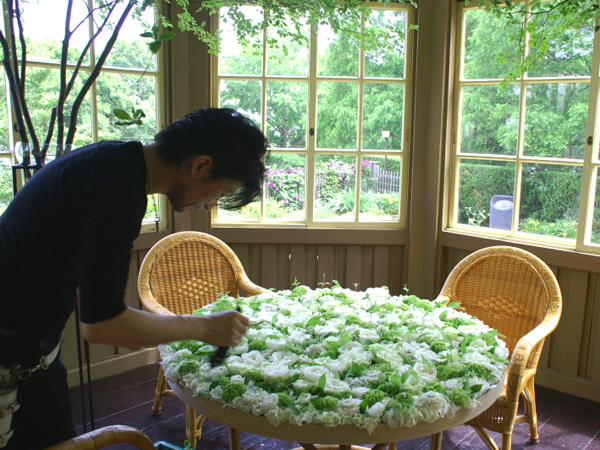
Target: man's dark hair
<point>233,141</point>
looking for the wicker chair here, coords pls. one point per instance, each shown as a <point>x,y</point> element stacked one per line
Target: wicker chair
<point>115,434</point>
<point>184,272</point>
<point>516,293</point>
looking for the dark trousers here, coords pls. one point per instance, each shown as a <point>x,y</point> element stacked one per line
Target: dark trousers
<point>44,417</point>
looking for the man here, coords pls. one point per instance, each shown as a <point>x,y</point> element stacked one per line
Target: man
<point>73,224</point>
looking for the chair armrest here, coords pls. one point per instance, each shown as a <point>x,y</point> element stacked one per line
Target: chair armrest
<point>148,302</point>
<point>106,436</point>
<point>247,285</point>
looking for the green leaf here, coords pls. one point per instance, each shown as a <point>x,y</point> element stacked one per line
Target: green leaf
<point>443,315</point>
<point>147,34</point>
<point>313,321</point>
<point>453,304</point>
<point>357,369</point>
<point>155,46</point>
<point>476,388</point>
<point>122,114</point>
<point>405,376</point>
<point>166,36</point>
<point>463,346</point>
<point>363,405</point>
<point>345,339</point>
<point>322,381</point>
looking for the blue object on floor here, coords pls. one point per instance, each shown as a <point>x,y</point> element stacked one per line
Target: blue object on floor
<point>162,445</point>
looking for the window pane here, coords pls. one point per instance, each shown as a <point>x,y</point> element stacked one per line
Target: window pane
<point>337,113</point>
<point>596,218</point>
<point>248,213</point>
<point>130,50</point>
<point>568,55</point>
<point>4,123</point>
<point>337,55</point>
<point>285,183</point>
<point>234,58</point>
<point>6,186</point>
<point>385,63</point>
<point>382,112</point>
<point>127,92</point>
<point>242,95</point>
<point>487,38</point>
<point>498,133</point>
<point>286,114</point>
<point>556,119</point>
<point>42,94</point>
<point>482,184</point>
<point>44,42</point>
<point>550,200</point>
<point>289,58</point>
<point>335,190</point>
<point>380,188</point>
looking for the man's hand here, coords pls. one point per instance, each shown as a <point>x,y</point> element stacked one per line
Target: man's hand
<point>224,328</point>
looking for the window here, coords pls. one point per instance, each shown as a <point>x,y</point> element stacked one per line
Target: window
<point>129,79</point>
<point>335,116</point>
<point>523,166</point>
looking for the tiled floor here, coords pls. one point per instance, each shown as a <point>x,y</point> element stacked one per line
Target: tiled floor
<point>565,421</point>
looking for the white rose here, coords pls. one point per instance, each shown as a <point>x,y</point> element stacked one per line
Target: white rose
<point>479,345</point>
<point>367,334</point>
<point>298,337</point>
<point>276,344</point>
<point>275,372</point>
<point>321,330</point>
<point>253,358</point>
<point>313,373</point>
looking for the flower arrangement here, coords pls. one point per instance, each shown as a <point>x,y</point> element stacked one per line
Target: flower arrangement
<point>334,356</point>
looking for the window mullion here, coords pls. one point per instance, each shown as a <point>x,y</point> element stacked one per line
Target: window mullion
<point>311,142</point>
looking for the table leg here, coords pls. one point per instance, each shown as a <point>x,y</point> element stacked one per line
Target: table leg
<point>307,446</point>
<point>435,441</point>
<point>234,439</point>
<point>383,446</point>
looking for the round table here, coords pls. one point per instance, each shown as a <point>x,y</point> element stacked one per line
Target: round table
<point>344,436</point>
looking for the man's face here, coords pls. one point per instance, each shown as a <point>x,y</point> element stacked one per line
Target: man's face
<point>195,188</point>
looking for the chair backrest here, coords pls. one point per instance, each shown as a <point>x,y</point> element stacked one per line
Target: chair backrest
<point>188,270</point>
<point>507,288</point>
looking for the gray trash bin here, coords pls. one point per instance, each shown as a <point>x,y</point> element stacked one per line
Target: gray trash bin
<point>501,211</point>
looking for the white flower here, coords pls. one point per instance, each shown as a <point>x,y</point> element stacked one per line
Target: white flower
<point>298,337</point>
<point>426,372</point>
<point>253,358</point>
<point>501,351</point>
<point>321,330</point>
<point>367,334</point>
<point>432,405</point>
<point>378,292</point>
<point>276,344</point>
<point>313,373</point>
<point>479,345</point>
<point>276,372</point>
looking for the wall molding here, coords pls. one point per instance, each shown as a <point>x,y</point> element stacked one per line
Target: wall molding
<point>115,365</point>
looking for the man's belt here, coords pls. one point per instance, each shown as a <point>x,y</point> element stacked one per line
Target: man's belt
<point>45,362</point>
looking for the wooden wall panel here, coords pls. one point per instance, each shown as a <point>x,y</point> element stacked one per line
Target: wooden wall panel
<point>593,356</point>
<point>298,263</point>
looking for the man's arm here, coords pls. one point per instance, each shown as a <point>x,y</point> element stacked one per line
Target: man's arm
<point>136,328</point>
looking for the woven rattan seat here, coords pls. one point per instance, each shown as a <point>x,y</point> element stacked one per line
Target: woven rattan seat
<point>114,434</point>
<point>515,292</point>
<point>180,274</point>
